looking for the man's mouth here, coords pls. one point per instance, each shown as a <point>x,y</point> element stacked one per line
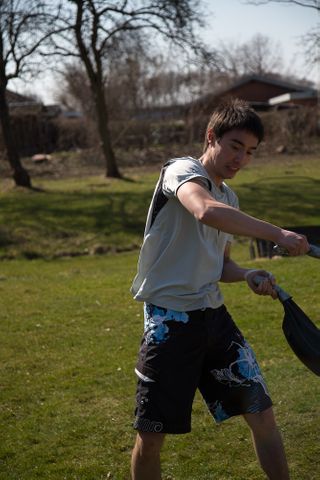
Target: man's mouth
<point>233,169</point>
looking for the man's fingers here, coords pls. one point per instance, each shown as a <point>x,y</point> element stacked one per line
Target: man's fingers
<point>266,282</point>
<point>265,287</point>
<point>294,243</point>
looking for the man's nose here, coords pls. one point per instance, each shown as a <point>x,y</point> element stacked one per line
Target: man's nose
<point>241,156</point>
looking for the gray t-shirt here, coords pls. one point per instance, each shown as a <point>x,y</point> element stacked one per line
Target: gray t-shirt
<point>181,259</point>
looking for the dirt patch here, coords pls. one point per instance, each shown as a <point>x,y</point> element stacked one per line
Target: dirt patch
<point>90,162</point>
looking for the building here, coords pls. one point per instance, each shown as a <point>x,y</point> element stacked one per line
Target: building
<point>23,105</point>
<point>262,92</point>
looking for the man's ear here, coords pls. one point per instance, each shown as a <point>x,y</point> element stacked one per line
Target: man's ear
<point>211,138</point>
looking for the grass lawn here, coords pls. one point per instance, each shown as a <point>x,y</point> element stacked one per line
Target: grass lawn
<point>70,332</point>
<point>95,214</point>
<point>69,338</point>
<point>73,217</point>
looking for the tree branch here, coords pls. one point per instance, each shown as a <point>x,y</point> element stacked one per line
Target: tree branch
<point>315,4</point>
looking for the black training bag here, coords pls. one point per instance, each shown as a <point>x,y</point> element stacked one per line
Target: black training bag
<point>302,335</point>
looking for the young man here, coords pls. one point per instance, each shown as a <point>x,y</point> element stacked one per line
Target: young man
<point>190,341</point>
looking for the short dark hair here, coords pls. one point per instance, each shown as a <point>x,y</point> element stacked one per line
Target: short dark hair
<point>234,114</point>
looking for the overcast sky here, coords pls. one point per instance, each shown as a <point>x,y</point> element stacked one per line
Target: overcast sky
<point>235,20</point>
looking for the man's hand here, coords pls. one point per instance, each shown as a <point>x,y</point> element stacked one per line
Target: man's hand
<point>295,243</point>
<point>265,287</point>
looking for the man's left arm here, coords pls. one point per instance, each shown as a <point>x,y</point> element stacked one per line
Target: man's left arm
<point>232,272</point>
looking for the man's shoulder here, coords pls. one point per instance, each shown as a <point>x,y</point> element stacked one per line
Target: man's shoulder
<point>183,162</point>
<point>180,170</point>
<point>185,165</point>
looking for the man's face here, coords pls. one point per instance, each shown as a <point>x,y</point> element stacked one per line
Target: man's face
<point>231,153</point>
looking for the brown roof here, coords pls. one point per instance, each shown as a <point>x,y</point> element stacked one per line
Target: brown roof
<point>16,98</point>
<point>255,89</point>
<point>288,86</point>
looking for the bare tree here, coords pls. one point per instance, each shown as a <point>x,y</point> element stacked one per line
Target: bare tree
<point>311,39</point>
<point>303,3</point>
<point>231,58</point>
<point>24,30</point>
<point>94,31</point>
<point>128,68</point>
<point>72,89</point>
<point>260,55</point>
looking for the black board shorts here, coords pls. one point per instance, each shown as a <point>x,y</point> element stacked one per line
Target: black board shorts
<point>183,351</point>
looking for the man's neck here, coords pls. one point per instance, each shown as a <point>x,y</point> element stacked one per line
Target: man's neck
<point>206,162</point>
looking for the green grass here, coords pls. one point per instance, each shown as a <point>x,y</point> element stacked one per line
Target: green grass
<point>67,363</point>
<point>95,214</point>
<point>283,190</point>
<point>70,332</point>
<point>69,338</point>
<point>74,217</point>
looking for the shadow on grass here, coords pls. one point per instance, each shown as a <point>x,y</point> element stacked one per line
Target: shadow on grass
<point>282,200</point>
<point>128,179</point>
<point>119,216</point>
<point>38,189</point>
<point>74,213</point>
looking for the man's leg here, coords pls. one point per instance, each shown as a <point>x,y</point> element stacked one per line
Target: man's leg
<point>145,461</point>
<point>268,444</point>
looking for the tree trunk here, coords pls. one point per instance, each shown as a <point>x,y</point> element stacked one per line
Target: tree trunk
<point>94,70</point>
<point>103,126</point>
<point>20,174</point>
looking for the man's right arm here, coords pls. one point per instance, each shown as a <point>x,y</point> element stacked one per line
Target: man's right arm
<point>198,201</point>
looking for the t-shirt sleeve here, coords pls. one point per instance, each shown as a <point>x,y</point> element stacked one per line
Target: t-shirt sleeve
<point>180,172</point>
